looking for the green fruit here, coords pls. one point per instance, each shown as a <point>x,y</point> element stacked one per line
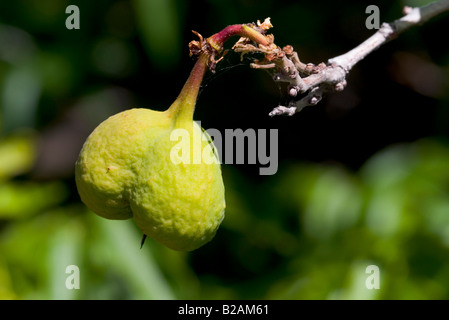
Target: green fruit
<point>126,169</point>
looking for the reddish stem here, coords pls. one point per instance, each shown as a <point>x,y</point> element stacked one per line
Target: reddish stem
<point>184,105</point>
<point>217,40</point>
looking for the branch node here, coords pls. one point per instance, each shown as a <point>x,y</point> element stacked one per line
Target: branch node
<point>293,91</point>
<point>341,85</point>
<point>320,79</point>
<point>313,101</point>
<point>281,110</point>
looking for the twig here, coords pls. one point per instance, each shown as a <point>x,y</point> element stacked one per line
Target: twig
<point>323,78</point>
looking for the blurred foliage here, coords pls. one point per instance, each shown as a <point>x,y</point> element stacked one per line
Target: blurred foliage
<point>363,178</point>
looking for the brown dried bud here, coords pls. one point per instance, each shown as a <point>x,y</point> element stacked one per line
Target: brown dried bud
<point>194,48</point>
<point>265,25</point>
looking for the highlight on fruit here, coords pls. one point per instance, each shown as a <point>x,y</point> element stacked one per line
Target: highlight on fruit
<point>126,169</point>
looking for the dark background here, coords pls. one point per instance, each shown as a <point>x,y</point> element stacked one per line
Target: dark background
<point>363,176</point>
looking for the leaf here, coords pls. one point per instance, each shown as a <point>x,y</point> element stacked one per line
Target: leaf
<point>136,266</point>
<point>6,292</point>
<point>65,248</point>
<point>19,98</point>
<point>18,200</point>
<point>17,155</point>
<point>160,30</point>
<point>334,205</point>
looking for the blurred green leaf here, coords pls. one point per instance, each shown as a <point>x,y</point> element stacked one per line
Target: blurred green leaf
<point>389,167</point>
<point>113,57</point>
<point>334,204</point>
<point>19,97</point>
<point>24,245</point>
<point>6,292</point>
<point>160,30</point>
<point>355,287</point>
<point>55,72</point>
<point>16,45</point>
<point>437,217</point>
<point>135,265</point>
<point>384,214</point>
<point>19,200</point>
<point>17,155</point>
<point>65,249</point>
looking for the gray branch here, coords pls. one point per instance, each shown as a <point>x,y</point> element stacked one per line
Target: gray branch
<point>318,80</point>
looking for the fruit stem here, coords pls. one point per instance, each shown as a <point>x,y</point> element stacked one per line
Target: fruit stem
<point>184,106</point>
<point>244,30</point>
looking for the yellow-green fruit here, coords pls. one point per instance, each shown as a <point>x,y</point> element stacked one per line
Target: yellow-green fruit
<point>128,167</point>
<point>155,167</point>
